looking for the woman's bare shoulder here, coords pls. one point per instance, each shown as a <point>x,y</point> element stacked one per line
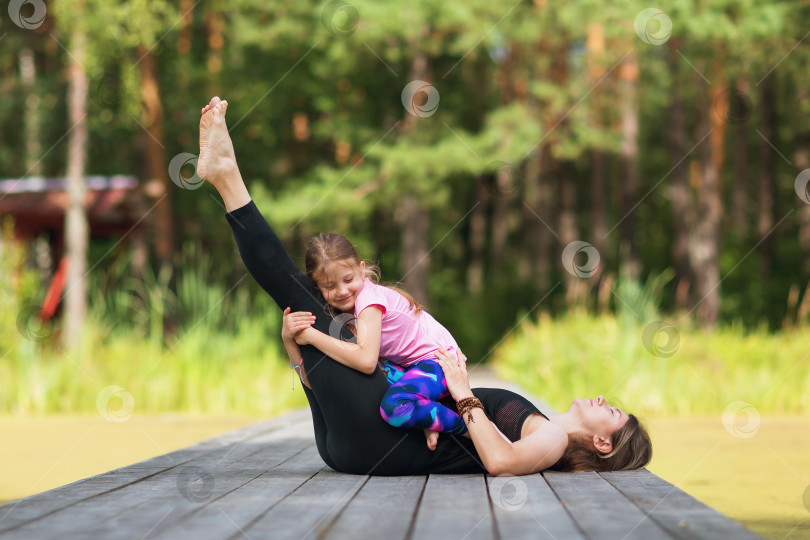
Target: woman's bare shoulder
<point>541,448</point>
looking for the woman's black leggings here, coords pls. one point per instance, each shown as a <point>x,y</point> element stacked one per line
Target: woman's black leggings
<point>350,434</point>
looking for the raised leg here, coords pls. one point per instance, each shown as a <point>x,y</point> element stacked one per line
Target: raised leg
<point>355,438</point>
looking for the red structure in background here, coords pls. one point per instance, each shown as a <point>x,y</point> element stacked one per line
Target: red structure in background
<point>115,207</point>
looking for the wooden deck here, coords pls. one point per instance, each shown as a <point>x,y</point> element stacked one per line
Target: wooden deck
<point>267,481</point>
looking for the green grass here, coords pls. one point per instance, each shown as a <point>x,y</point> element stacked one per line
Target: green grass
<point>204,372</point>
<point>222,357</point>
<point>583,354</point>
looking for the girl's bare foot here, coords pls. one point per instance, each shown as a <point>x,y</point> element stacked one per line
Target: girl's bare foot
<point>432,438</point>
<point>217,159</point>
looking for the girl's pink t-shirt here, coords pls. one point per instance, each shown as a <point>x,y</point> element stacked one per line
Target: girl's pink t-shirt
<point>405,338</point>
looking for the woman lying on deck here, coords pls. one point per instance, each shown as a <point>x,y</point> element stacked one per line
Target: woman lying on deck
<point>350,434</point>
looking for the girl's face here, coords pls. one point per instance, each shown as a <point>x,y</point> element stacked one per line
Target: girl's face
<point>340,283</point>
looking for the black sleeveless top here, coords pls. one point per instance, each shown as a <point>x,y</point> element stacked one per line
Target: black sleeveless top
<point>506,409</point>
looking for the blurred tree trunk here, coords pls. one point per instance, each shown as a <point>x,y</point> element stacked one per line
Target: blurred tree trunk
<point>156,164</point>
<point>504,180</point>
<point>536,237</point>
<point>185,67</point>
<point>599,203</point>
<point>595,52</point>
<point>28,74</point>
<point>802,160</point>
<point>740,193</point>
<point>478,225</point>
<point>76,227</point>
<point>538,210</point>
<point>184,39</point>
<point>767,162</point>
<point>705,245</point>
<point>545,258</point>
<point>502,184</point>
<point>560,172</point>
<point>215,25</point>
<point>681,206</point>
<point>415,220</point>
<point>567,203</point>
<point>415,224</point>
<point>628,91</point>
<point>567,192</point>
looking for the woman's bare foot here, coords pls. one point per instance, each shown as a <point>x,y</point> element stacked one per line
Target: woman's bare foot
<point>432,438</point>
<point>217,160</point>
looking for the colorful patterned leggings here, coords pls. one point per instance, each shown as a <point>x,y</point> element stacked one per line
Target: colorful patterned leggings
<point>412,400</point>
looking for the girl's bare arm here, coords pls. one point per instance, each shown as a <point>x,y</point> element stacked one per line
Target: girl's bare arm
<point>362,355</point>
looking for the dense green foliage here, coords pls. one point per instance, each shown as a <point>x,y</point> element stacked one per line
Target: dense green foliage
<point>324,143</point>
<point>581,355</point>
<point>227,359</point>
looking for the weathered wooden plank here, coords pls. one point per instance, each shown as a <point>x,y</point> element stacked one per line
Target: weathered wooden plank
<point>184,490</point>
<point>230,514</point>
<point>454,507</point>
<point>161,498</point>
<point>679,513</point>
<point>309,510</point>
<point>384,508</point>
<point>268,480</point>
<point>16,513</point>
<point>105,496</point>
<point>600,510</point>
<point>526,507</point>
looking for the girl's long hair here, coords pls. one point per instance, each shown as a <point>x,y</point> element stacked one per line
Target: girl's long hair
<point>332,247</point>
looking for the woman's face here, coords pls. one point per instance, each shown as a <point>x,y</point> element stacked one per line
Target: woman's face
<point>340,282</point>
<point>597,417</point>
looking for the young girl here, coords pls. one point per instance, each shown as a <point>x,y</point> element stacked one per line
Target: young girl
<point>388,323</point>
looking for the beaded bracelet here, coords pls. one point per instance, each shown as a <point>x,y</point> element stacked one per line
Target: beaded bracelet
<point>466,405</point>
<point>296,368</point>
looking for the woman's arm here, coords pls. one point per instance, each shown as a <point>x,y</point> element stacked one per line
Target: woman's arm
<point>532,454</point>
<point>362,355</point>
<point>291,325</point>
<point>293,351</point>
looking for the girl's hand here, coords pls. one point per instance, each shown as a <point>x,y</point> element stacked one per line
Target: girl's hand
<point>303,337</point>
<point>293,324</point>
<point>455,373</point>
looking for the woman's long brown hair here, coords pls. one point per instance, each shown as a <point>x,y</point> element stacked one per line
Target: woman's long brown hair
<point>632,449</point>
